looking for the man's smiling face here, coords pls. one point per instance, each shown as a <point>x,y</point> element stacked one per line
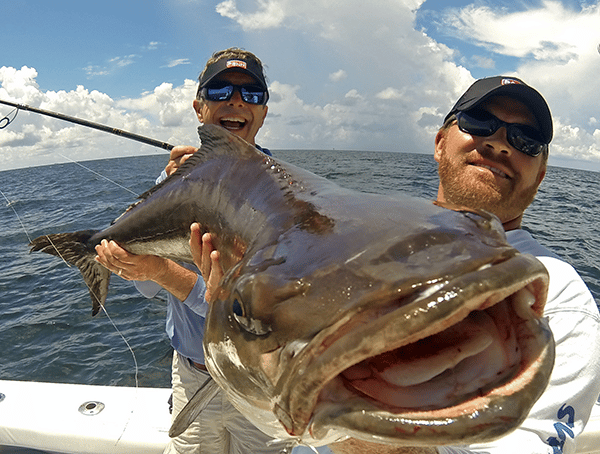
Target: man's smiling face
<point>237,116</point>
<point>487,172</point>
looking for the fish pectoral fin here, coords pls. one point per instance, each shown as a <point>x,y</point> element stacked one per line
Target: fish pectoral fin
<point>195,405</point>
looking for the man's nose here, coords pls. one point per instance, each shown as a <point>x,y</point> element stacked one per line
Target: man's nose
<point>499,142</point>
<point>236,97</point>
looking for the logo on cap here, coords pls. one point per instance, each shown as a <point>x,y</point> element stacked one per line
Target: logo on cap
<point>237,64</point>
<point>510,81</point>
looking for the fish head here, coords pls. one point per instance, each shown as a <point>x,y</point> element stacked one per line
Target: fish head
<point>423,328</point>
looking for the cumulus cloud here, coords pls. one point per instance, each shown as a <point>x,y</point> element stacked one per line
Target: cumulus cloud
<point>369,79</point>
<point>338,75</point>
<point>390,93</point>
<point>558,58</point>
<point>380,36</point>
<point>545,31</point>
<point>269,14</point>
<point>165,114</point>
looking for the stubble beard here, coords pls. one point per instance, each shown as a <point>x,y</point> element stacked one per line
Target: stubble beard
<point>482,195</point>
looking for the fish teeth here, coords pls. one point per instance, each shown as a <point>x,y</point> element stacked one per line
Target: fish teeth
<point>465,339</point>
<point>523,300</point>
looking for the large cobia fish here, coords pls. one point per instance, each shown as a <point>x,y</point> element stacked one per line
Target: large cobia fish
<point>345,314</point>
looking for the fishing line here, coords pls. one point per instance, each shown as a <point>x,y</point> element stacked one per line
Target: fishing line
<point>136,370</point>
<point>10,204</point>
<point>5,121</point>
<point>98,174</point>
<point>135,363</point>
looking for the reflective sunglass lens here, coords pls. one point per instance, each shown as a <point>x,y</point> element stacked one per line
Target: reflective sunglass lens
<point>251,94</point>
<point>476,126</point>
<point>219,93</point>
<point>483,124</point>
<point>523,142</point>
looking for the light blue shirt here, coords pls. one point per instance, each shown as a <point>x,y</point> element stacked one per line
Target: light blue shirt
<point>185,320</point>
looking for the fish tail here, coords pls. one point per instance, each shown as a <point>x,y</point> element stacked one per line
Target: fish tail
<point>73,249</point>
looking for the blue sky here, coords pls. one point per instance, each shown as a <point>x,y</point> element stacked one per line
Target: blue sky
<point>342,74</point>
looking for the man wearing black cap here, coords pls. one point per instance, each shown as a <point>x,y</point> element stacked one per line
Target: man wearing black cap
<point>492,153</point>
<point>232,93</point>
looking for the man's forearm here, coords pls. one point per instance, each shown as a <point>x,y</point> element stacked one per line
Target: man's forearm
<point>176,280</point>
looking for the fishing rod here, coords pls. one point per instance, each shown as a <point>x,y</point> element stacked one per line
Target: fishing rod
<point>118,132</point>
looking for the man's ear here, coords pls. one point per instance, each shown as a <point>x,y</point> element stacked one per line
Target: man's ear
<point>264,115</point>
<point>198,108</point>
<point>541,175</point>
<point>440,142</point>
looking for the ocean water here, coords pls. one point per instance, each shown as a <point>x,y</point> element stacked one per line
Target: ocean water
<point>47,332</point>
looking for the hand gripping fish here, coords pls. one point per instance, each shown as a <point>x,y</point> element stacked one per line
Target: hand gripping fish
<point>344,314</point>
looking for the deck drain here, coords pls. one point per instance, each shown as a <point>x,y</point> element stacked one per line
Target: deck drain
<point>91,408</point>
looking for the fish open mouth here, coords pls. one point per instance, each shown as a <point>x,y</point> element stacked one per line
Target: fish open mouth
<point>446,367</point>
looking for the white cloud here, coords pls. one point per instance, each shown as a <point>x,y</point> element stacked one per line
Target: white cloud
<point>178,61</point>
<point>357,77</point>
<point>113,65</point>
<point>575,142</point>
<point>166,114</point>
<point>546,31</point>
<point>269,14</point>
<point>338,76</point>
<point>558,57</point>
<point>384,71</point>
<point>484,62</point>
<point>390,93</point>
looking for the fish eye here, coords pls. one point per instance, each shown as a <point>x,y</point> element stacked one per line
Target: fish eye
<point>238,310</point>
<point>248,324</point>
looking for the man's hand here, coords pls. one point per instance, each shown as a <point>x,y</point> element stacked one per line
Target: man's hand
<point>179,155</point>
<point>206,258</point>
<point>129,266</point>
<point>174,278</point>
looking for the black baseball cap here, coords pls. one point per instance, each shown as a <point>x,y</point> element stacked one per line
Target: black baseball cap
<point>240,64</point>
<point>483,89</point>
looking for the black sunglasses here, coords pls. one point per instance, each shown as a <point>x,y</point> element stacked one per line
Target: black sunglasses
<point>252,94</point>
<point>481,123</point>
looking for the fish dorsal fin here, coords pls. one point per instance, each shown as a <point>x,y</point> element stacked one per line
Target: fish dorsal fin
<point>216,141</point>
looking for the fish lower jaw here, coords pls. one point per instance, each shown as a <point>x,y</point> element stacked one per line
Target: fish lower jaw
<point>451,374</point>
<point>440,370</point>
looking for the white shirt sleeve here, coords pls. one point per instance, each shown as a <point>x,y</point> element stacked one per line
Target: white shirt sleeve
<point>564,408</point>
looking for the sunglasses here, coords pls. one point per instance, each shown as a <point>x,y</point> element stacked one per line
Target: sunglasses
<point>251,94</point>
<point>524,138</point>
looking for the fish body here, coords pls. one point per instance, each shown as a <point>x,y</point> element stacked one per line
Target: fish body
<point>344,314</point>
